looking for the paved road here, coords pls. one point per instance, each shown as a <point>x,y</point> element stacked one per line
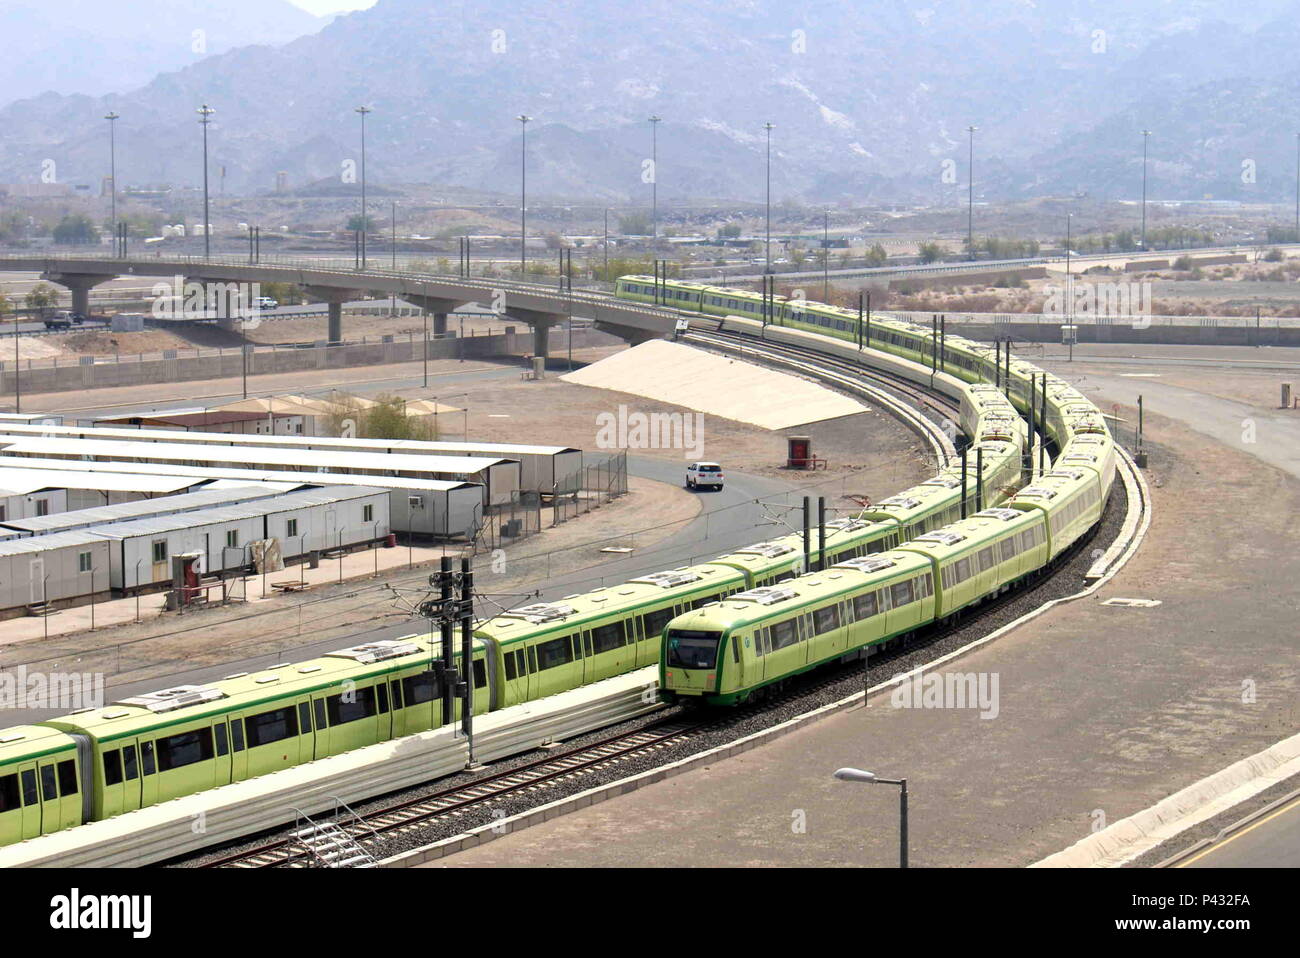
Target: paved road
<point>1271,842</point>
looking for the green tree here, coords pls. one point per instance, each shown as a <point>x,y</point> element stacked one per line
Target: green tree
<point>41,296</point>
<point>355,221</point>
<point>76,230</point>
<point>876,256</point>
<point>930,252</point>
<point>730,231</point>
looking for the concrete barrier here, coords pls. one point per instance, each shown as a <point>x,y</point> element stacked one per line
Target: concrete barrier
<point>76,376</point>
<point>1130,837</point>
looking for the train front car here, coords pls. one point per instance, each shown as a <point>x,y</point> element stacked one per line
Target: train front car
<point>692,653</point>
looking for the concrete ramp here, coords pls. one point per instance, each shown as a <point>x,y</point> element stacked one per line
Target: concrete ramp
<point>716,385</point>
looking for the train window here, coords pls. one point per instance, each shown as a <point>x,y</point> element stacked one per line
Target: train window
<point>735,649</point>
<point>304,717</point>
<point>420,688</point>
<point>128,762</point>
<point>654,622</point>
<point>273,726</point>
<point>480,674</point>
<point>986,559</point>
<point>532,659</point>
<point>49,790</point>
<point>927,585</point>
<point>223,745</point>
<point>113,767</point>
<point>901,593</point>
<point>864,606</point>
<point>882,599</point>
<point>68,778</point>
<point>396,688</point>
<point>8,792</point>
<point>352,707</point>
<point>826,620</point>
<point>784,634</point>
<point>147,758</point>
<point>319,708</point>
<point>553,654</point>
<point>29,788</point>
<point>1009,548</point>
<point>606,638</point>
<point>185,748</point>
<point>963,568</point>
<point>381,691</point>
<point>521,662</point>
<point>511,672</point>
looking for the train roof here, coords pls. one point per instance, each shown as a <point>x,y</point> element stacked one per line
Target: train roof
<point>25,742</point>
<point>960,537</point>
<point>756,605</point>
<point>573,610</point>
<point>135,714</point>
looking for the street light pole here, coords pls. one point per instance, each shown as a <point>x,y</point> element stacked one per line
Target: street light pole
<point>768,244</point>
<point>205,112</point>
<point>523,194</point>
<point>1297,187</point>
<point>1069,283</point>
<point>826,255</point>
<point>1146,135</point>
<point>112,119</point>
<point>869,778</point>
<point>654,178</point>
<point>363,111</point>
<point>970,194</point>
<point>606,276</point>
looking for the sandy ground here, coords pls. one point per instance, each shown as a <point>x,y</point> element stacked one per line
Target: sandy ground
<point>1103,712</point>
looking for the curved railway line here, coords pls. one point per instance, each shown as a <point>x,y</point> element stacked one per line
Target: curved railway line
<point>661,740</point>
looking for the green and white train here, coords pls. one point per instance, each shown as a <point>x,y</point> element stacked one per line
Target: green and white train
<point>720,630</point>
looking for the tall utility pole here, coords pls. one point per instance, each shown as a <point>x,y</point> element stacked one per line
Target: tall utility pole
<point>1146,135</point>
<point>606,276</point>
<point>826,255</point>
<point>205,112</point>
<point>1069,282</point>
<point>363,111</point>
<point>112,119</point>
<point>394,262</point>
<point>970,194</point>
<point>768,246</point>
<point>1297,187</point>
<point>654,177</point>
<point>523,194</point>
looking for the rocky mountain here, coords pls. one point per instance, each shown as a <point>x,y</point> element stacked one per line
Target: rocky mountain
<point>101,46</point>
<point>870,100</point>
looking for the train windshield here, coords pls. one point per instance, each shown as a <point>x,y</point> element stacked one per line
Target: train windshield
<point>688,649</point>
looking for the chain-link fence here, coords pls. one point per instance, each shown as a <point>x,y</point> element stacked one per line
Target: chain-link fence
<point>597,484</point>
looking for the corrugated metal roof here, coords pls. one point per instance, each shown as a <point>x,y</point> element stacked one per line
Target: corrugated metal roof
<point>26,481</point>
<point>269,456</point>
<point>199,473</point>
<point>55,540</point>
<point>489,449</point>
<point>234,513</point>
<point>186,502</point>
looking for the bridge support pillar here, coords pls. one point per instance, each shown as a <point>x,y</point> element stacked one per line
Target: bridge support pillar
<point>334,300</point>
<point>440,324</point>
<point>79,285</point>
<point>438,307</point>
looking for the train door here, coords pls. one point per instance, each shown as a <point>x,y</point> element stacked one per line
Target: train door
<point>515,680</point>
<point>608,653</point>
<point>220,753</point>
<point>148,774</point>
<point>238,752</point>
<point>383,710</point>
<point>313,738</point>
<point>31,798</point>
<point>60,796</point>
<point>396,706</point>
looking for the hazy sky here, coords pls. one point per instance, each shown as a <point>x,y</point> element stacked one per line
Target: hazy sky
<point>321,7</point>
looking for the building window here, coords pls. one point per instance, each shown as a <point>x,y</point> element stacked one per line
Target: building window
<point>160,550</point>
<point>3,513</point>
<point>291,528</point>
<point>83,562</point>
<point>368,513</point>
<point>232,538</point>
<point>42,507</point>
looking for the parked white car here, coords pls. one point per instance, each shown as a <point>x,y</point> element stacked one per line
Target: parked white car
<point>702,474</point>
<point>266,302</point>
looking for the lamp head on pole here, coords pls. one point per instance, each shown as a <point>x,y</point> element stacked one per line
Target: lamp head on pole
<point>855,775</point>
<point>204,112</point>
<point>110,115</point>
